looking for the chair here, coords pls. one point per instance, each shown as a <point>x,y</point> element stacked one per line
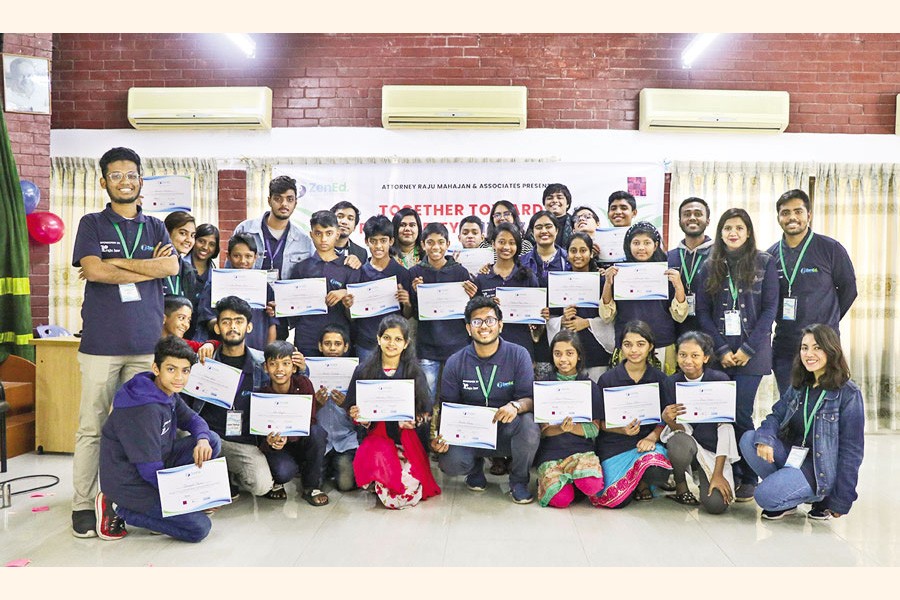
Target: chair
<point>17,419</point>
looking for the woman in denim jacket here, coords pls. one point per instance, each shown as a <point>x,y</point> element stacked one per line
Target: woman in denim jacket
<point>810,448</point>
<point>737,298</point>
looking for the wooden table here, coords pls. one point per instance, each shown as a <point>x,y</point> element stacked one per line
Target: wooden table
<point>58,393</point>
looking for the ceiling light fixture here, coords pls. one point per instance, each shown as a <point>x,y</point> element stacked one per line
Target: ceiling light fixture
<point>695,48</point>
<point>244,42</point>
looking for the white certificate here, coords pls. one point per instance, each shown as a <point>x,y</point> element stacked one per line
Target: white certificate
<point>556,400</point>
<point>285,414</point>
<point>386,399</point>
<point>626,403</point>
<point>706,401</point>
<point>214,382</point>
<point>247,284</point>
<point>611,241</point>
<point>296,297</point>
<point>467,425</point>
<point>567,288</point>
<point>373,298</point>
<point>641,281</point>
<point>188,489</point>
<point>166,193</point>
<point>522,304</point>
<point>331,373</point>
<point>442,301</point>
<point>474,259</point>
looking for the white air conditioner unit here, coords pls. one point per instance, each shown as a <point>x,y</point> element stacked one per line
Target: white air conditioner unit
<point>453,107</point>
<point>707,110</point>
<point>200,108</point>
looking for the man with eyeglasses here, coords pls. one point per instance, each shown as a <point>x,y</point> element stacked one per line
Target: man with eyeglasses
<point>558,201</point>
<point>123,255</point>
<point>491,372</point>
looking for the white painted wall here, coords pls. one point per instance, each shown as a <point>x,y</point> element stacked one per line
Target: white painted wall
<point>553,144</point>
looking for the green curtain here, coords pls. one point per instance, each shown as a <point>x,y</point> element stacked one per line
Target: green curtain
<point>15,289</point>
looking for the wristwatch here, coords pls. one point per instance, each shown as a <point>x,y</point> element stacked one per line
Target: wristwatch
<point>517,405</point>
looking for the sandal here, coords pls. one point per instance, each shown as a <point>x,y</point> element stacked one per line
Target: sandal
<point>276,493</point>
<point>686,498</point>
<point>316,497</point>
<point>643,495</point>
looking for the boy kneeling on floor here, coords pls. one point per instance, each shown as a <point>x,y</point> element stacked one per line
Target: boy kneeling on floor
<point>140,438</point>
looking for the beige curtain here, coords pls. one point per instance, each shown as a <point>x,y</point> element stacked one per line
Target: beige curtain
<point>752,186</point>
<point>857,204</point>
<point>75,191</point>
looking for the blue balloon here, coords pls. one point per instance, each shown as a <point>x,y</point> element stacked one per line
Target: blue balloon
<point>31,195</point>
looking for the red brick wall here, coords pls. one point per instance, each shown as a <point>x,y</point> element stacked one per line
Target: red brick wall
<point>30,139</point>
<point>839,83</point>
<point>232,205</point>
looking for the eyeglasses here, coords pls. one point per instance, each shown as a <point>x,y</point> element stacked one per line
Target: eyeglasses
<point>490,322</point>
<point>584,217</point>
<point>503,215</point>
<point>118,175</point>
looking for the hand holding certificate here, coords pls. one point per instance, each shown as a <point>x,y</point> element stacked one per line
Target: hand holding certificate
<point>300,297</point>
<point>466,425</point>
<point>386,399</point>
<point>611,241</point>
<point>213,382</point>
<point>624,404</point>
<point>556,400</point>
<point>331,373</point>
<point>373,298</point>
<point>522,304</point>
<point>473,259</point>
<point>568,288</point>
<point>284,414</point>
<point>189,488</point>
<point>247,284</point>
<point>706,401</point>
<point>641,281</point>
<point>442,301</point>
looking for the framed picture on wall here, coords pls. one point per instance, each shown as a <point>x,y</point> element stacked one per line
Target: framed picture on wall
<point>26,84</point>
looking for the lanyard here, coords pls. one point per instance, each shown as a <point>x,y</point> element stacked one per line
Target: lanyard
<point>733,289</point>
<point>689,273</point>
<point>269,254</point>
<point>793,276</point>
<point>486,390</point>
<point>174,284</point>
<point>809,418</point>
<point>137,240</point>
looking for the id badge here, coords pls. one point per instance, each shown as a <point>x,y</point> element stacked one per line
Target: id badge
<point>272,275</point>
<point>233,423</point>
<point>796,457</point>
<point>692,306</point>
<point>732,322</point>
<point>129,292</point>
<point>790,309</point>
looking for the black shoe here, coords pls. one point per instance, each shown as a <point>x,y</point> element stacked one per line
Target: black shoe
<point>235,492</point>
<point>818,513</point>
<point>84,524</point>
<point>775,515</point>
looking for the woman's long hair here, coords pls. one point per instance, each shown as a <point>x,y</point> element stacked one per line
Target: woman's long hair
<point>398,216</point>
<point>837,373</point>
<point>593,265</point>
<point>492,229</point>
<point>523,273</point>
<point>205,229</point>
<point>372,368</point>
<point>742,261</point>
<point>644,228</point>
<point>566,335</point>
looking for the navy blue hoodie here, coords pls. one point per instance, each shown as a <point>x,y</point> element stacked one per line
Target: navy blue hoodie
<point>137,440</point>
<point>437,340</point>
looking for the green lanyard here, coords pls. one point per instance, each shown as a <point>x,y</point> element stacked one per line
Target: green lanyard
<point>809,418</point>
<point>174,284</point>
<point>137,240</point>
<point>733,289</point>
<point>689,274</point>
<point>486,390</point>
<point>793,276</point>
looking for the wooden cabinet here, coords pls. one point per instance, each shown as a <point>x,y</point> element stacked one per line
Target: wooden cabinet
<point>58,393</point>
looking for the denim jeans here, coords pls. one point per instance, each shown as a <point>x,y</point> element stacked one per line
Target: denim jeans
<point>192,527</point>
<point>432,370</point>
<point>781,487</point>
<point>305,456</point>
<point>747,385</point>
<point>518,439</point>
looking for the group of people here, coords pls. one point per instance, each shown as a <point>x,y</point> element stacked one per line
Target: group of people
<point>146,278</point>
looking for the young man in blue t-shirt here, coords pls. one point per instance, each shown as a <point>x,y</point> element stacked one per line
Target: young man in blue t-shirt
<point>491,372</point>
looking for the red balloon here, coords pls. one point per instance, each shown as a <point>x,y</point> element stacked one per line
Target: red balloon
<point>45,227</point>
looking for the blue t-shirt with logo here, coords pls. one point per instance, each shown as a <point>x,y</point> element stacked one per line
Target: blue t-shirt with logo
<point>514,377</point>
